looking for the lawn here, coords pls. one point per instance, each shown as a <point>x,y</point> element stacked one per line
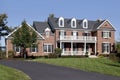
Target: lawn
<point>101,65</point>
<point>7,73</point>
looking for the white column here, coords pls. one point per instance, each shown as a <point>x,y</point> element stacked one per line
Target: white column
<point>95,48</point>
<point>71,48</point>
<point>85,46</point>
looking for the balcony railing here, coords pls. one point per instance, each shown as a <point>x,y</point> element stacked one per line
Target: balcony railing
<point>78,38</point>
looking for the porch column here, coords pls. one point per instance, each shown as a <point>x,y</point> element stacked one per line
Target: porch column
<point>95,48</point>
<point>85,46</point>
<point>71,48</point>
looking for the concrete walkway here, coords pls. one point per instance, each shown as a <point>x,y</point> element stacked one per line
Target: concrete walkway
<point>40,71</point>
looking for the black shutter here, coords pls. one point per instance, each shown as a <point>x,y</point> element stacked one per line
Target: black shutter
<point>64,33</point>
<point>77,33</point>
<point>109,34</point>
<point>72,33</point>
<point>59,33</point>
<point>102,34</point>
<point>102,47</point>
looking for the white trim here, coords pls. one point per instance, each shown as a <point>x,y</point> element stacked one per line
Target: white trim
<point>104,22</point>
<point>20,27</point>
<point>61,18</point>
<point>85,21</point>
<point>73,20</point>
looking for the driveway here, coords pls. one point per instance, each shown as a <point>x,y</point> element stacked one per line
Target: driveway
<point>40,71</point>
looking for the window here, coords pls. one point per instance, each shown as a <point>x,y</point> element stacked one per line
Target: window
<point>34,48</point>
<point>47,34</point>
<point>48,48</point>
<point>73,23</point>
<point>62,33</point>
<point>16,48</point>
<point>61,22</point>
<point>106,34</point>
<point>85,23</point>
<point>106,47</point>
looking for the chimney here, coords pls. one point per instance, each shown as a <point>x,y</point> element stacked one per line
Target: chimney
<point>99,20</point>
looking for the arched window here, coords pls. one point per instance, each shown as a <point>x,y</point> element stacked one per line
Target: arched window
<point>61,22</point>
<point>85,23</point>
<point>73,23</point>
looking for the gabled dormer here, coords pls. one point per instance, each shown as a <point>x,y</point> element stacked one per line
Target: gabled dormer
<point>61,22</point>
<point>85,23</point>
<point>73,23</point>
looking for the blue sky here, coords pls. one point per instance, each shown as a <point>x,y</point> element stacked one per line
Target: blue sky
<point>39,10</point>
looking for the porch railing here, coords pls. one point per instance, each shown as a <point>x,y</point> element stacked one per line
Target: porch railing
<point>78,38</point>
<point>73,53</point>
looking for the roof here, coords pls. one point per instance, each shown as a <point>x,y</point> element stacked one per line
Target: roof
<point>40,26</point>
<point>92,25</point>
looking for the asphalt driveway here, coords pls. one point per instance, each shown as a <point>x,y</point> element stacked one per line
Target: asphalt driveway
<point>40,71</point>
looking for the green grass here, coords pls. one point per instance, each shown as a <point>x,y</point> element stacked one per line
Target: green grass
<point>101,65</point>
<point>7,73</point>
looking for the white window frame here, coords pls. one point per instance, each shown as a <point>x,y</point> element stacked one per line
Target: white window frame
<point>73,21</point>
<point>15,47</point>
<point>85,21</point>
<point>36,49</point>
<point>106,48</point>
<point>47,33</point>
<point>48,44</point>
<point>106,34</point>
<point>59,23</point>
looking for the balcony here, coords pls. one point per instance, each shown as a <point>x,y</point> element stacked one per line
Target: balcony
<point>78,39</point>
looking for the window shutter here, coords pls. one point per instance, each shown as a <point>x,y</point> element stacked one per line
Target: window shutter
<point>59,33</point>
<point>102,34</point>
<point>77,33</point>
<point>72,33</point>
<point>109,34</point>
<point>64,33</point>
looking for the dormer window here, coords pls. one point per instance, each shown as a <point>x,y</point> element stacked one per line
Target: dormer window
<point>73,23</point>
<point>61,22</point>
<point>47,32</point>
<point>85,23</point>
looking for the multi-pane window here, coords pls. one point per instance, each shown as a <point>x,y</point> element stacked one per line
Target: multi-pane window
<point>106,34</point>
<point>34,48</point>
<point>106,47</point>
<point>16,48</point>
<point>48,48</point>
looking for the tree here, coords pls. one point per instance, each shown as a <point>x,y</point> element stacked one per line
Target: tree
<point>3,28</point>
<point>24,37</point>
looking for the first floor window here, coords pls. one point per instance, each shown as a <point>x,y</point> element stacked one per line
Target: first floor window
<point>106,47</point>
<point>34,48</point>
<point>16,48</point>
<point>48,48</point>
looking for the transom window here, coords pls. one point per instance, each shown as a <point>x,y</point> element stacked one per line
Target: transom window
<point>48,48</point>
<point>106,34</point>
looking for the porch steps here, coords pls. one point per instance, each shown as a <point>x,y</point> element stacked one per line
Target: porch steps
<point>92,56</point>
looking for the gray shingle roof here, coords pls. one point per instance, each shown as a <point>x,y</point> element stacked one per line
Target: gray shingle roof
<point>40,26</point>
<point>92,25</point>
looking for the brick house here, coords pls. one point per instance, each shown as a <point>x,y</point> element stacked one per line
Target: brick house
<point>73,36</point>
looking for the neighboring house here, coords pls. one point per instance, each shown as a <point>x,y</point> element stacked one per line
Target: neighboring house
<point>73,36</point>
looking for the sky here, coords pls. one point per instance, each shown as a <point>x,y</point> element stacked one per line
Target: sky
<point>39,10</point>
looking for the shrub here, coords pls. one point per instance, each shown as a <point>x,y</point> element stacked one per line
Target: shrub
<point>2,54</point>
<point>103,55</point>
<point>58,51</point>
<point>52,55</point>
<point>10,54</point>
<point>115,57</point>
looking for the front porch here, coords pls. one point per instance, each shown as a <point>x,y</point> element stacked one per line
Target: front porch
<point>75,48</point>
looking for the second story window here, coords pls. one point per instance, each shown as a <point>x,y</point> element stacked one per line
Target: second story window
<point>106,34</point>
<point>62,33</point>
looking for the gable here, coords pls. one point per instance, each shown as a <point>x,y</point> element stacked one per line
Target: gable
<point>40,36</point>
<point>106,25</point>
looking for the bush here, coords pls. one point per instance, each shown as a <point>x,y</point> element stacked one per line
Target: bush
<point>52,55</point>
<point>115,57</point>
<point>2,54</point>
<point>58,51</point>
<point>103,55</point>
<point>10,54</point>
